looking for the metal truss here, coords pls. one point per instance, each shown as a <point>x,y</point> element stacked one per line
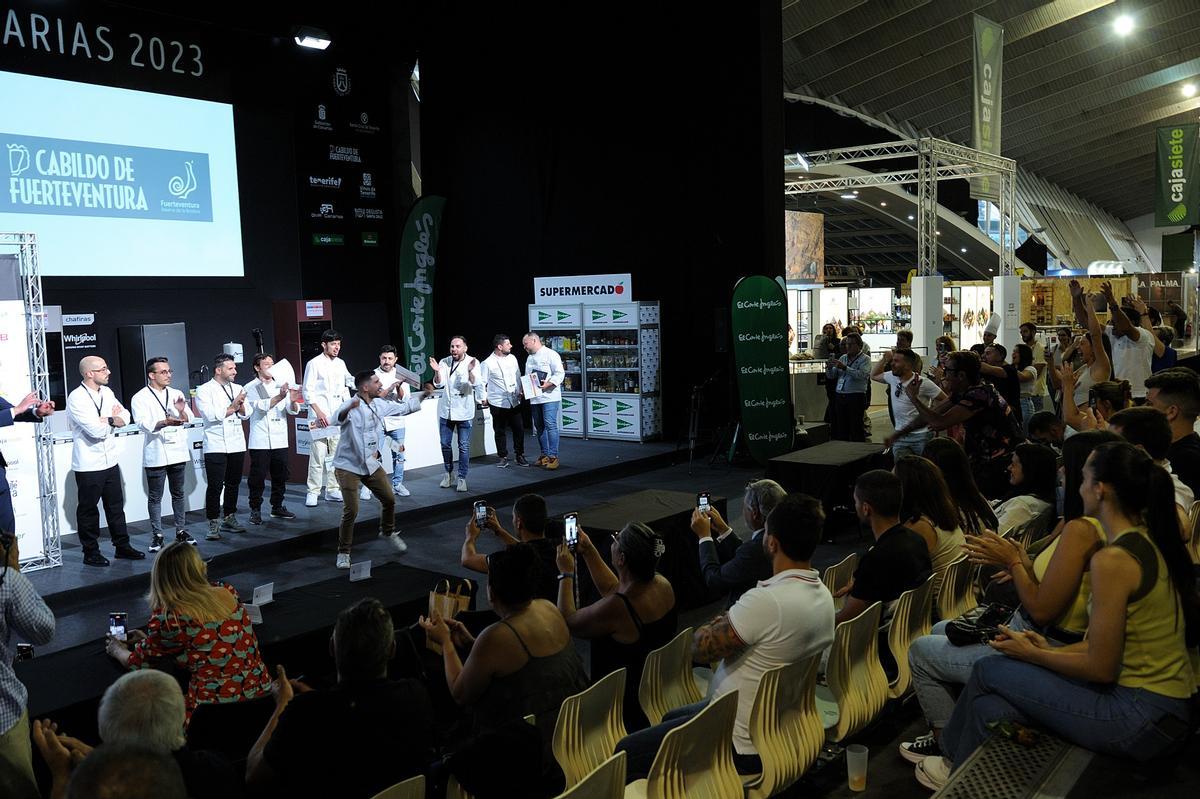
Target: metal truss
<point>937,159</point>
<point>39,373</point>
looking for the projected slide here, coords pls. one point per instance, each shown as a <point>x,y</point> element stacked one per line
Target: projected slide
<point>119,183</point>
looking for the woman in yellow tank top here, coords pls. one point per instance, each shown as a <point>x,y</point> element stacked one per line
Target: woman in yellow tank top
<point>1125,689</point>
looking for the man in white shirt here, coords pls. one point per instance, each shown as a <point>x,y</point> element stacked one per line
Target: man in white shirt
<point>502,387</point>
<point>456,375</point>
<point>394,389</point>
<point>911,434</point>
<point>222,405</point>
<point>356,463</point>
<point>95,416</point>
<point>783,620</point>
<point>325,379</point>
<point>1132,347</point>
<point>162,414</point>
<point>269,403</point>
<point>548,366</point>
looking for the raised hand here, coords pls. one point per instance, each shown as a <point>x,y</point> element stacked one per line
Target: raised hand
<point>434,364</point>
<point>25,404</point>
<point>1076,288</point>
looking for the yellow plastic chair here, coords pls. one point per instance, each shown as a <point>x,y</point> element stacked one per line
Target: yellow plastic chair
<point>785,726</point>
<point>837,576</point>
<point>411,788</point>
<point>857,688</point>
<point>589,725</point>
<point>667,681</point>
<point>695,760</point>
<point>1194,533</point>
<point>958,589</point>
<point>607,781</point>
<point>910,620</point>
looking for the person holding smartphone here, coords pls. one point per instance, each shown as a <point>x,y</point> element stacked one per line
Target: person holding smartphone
<point>530,519</point>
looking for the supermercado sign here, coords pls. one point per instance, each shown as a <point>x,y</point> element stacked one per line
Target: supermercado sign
<point>583,289</point>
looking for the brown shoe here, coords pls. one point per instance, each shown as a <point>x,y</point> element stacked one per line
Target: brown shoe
<point>552,463</point>
<point>541,461</point>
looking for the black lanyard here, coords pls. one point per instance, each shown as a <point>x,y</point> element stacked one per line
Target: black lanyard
<point>98,401</point>
<point>454,368</point>
<point>228,391</point>
<point>161,404</point>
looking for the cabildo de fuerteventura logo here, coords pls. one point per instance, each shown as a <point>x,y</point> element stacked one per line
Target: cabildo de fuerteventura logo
<point>182,185</point>
<point>341,81</point>
<point>18,159</point>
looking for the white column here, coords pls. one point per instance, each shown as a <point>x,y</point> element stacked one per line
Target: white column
<point>1006,301</point>
<point>926,313</point>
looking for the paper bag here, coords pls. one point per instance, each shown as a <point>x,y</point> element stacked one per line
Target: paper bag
<point>447,604</point>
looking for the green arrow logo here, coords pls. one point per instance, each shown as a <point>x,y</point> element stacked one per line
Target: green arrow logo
<point>567,420</point>
<point>621,406</point>
<point>597,405</point>
<point>1178,213</point>
<point>622,424</point>
<point>597,316</point>
<point>597,423</point>
<point>619,315</point>
<point>543,316</point>
<point>563,315</point>
<point>566,403</point>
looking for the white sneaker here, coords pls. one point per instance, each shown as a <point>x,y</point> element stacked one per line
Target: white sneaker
<point>447,481</point>
<point>462,484</point>
<point>933,772</point>
<point>364,493</point>
<point>396,541</point>
<point>343,560</point>
<point>333,495</point>
<point>310,499</point>
<point>401,490</point>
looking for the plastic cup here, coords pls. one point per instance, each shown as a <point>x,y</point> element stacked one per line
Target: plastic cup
<point>856,766</point>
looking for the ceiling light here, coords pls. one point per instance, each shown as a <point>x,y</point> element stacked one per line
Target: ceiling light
<point>849,197</point>
<point>1189,90</point>
<point>962,249</point>
<point>883,205</point>
<point>939,232</point>
<point>1123,25</point>
<point>312,38</point>
<point>911,217</point>
<point>990,269</point>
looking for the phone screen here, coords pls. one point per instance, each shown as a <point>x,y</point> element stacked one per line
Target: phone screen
<point>571,529</point>
<point>702,502</point>
<point>116,625</point>
<point>480,512</point>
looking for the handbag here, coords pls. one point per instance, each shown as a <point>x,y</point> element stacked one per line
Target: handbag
<point>448,604</point>
<point>979,625</point>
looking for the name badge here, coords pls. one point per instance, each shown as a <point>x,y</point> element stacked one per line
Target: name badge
<point>171,434</point>
<point>276,421</point>
<point>232,419</point>
<point>372,443</point>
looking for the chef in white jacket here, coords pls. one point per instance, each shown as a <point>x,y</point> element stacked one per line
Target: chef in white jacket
<point>360,423</point>
<point>501,376</point>
<point>162,412</point>
<point>222,405</point>
<point>458,377</point>
<point>325,379</point>
<point>270,403</point>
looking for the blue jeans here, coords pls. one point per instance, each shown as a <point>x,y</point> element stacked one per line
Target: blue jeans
<point>911,444</point>
<point>641,747</point>
<point>447,428</point>
<point>545,424</point>
<point>1129,722</point>
<point>1026,412</point>
<point>397,457</point>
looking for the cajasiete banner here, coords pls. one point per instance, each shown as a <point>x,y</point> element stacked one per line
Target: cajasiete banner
<point>1176,182</point>
<point>760,350</point>
<point>418,255</point>
<point>988,50</point>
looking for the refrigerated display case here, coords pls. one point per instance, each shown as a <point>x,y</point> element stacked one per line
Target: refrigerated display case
<point>561,329</point>
<point>621,366</point>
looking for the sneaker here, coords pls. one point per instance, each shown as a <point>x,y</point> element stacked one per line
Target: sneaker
<point>462,484</point>
<point>310,499</point>
<point>333,495</point>
<point>503,464</point>
<point>447,481</point>
<point>231,525</point>
<point>94,559</point>
<point>183,537</point>
<point>933,772</point>
<point>343,560</point>
<point>924,746</point>
<point>552,463</point>
<point>521,461</point>
<point>400,490</point>
<point>395,540</point>
<point>541,461</point>
<point>282,513</point>
<point>214,530</point>
<point>156,542</point>
<point>255,516</point>
<point>364,493</point>
<point>129,553</point>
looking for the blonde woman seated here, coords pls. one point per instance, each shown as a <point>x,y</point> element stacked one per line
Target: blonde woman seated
<point>201,625</point>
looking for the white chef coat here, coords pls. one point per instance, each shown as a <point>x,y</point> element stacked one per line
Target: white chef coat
<point>222,434</point>
<point>168,445</point>
<point>501,380</point>
<point>325,384</point>
<point>387,380</point>
<point>268,423</point>
<point>362,430</point>
<point>457,401</point>
<point>94,449</point>
<point>550,362</point>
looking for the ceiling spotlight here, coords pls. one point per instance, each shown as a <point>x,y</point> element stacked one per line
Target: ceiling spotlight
<point>939,232</point>
<point>1189,90</point>
<point>849,197</point>
<point>991,269</point>
<point>962,249</point>
<point>883,205</point>
<point>911,217</point>
<point>312,38</point>
<point>1123,25</point>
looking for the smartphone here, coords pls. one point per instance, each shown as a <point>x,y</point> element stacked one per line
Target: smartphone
<point>702,502</point>
<point>116,624</point>
<point>1092,398</point>
<point>480,512</point>
<point>571,530</point>
<point>24,651</point>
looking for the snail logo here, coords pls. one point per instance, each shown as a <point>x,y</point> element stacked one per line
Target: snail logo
<point>18,159</point>
<point>182,186</point>
<point>1178,213</point>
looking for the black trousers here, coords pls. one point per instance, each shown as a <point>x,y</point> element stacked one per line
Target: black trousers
<point>224,472</point>
<point>848,422</point>
<point>508,418</point>
<point>94,487</point>
<point>260,461</point>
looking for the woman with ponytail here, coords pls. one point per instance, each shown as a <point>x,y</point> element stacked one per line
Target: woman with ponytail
<point>949,456</point>
<point>1125,689</point>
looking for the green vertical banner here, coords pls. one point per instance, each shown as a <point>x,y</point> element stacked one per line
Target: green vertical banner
<point>988,50</point>
<point>759,325</point>
<point>1176,184</point>
<point>418,254</point>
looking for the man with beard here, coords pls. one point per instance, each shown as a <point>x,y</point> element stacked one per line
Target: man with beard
<point>911,431</point>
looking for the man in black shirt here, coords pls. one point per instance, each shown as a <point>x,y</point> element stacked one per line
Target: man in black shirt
<point>1003,376</point>
<point>363,735</point>
<point>898,561</point>
<point>530,519</point>
<point>1176,392</point>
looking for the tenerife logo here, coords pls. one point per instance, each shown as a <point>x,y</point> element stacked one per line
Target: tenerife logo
<point>182,186</point>
<point>325,182</point>
<point>1177,182</point>
<point>18,159</point>
<point>341,81</point>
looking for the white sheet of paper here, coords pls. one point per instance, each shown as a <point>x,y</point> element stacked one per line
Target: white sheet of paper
<point>264,594</point>
<point>360,571</point>
<point>530,386</point>
<point>284,372</point>
<point>412,378</point>
<point>255,614</point>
